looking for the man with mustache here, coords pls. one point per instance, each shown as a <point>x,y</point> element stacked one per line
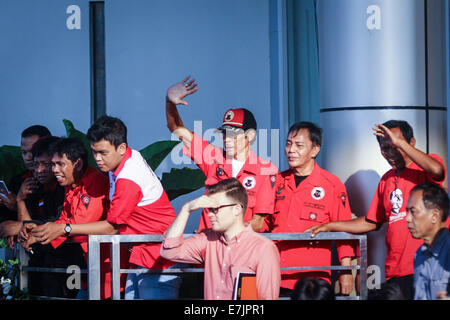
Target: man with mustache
<point>410,167</point>
<point>427,209</point>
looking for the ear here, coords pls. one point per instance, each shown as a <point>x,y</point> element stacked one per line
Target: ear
<point>251,135</point>
<point>412,142</point>
<point>122,148</point>
<point>238,210</point>
<point>78,165</point>
<point>316,150</point>
<point>435,216</point>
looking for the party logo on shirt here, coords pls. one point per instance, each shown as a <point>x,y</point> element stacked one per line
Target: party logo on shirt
<point>273,179</point>
<point>86,200</point>
<point>396,199</point>
<point>312,216</point>
<point>343,198</point>
<point>249,183</point>
<point>318,193</point>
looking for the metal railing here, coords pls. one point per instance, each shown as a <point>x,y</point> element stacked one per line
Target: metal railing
<point>116,240</point>
<point>93,270</point>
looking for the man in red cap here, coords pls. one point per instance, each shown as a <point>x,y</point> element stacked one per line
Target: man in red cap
<point>235,160</point>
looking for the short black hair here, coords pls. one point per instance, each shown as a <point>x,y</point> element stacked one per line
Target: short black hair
<point>312,289</point>
<point>36,130</point>
<point>110,129</point>
<point>73,148</point>
<point>43,146</point>
<point>434,197</point>
<point>233,189</point>
<point>387,291</point>
<point>405,128</point>
<point>315,133</point>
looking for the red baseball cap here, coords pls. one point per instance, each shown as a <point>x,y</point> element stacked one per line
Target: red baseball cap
<point>239,118</point>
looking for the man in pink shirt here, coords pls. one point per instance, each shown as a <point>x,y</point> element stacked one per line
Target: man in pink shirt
<point>228,248</point>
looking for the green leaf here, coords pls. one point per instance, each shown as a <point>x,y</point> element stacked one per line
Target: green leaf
<point>74,133</point>
<point>3,243</point>
<point>11,163</point>
<point>155,153</point>
<point>182,181</point>
<point>14,262</point>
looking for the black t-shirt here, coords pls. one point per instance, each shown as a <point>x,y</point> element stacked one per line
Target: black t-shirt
<point>46,203</point>
<point>299,179</point>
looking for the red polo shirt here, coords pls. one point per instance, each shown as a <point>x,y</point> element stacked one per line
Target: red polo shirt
<point>88,202</point>
<point>389,205</point>
<point>257,176</point>
<point>318,199</point>
<point>140,205</point>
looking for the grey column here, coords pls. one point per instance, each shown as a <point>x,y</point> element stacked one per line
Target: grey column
<point>379,60</point>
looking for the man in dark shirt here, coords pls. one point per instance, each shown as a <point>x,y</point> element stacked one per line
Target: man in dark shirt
<point>39,200</point>
<point>8,206</point>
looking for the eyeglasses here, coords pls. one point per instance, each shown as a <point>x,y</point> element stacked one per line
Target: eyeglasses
<point>216,210</point>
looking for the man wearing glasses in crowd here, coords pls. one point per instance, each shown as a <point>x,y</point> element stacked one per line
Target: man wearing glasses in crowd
<point>228,248</point>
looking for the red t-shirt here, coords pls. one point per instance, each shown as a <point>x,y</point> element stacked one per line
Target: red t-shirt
<point>318,199</point>
<point>257,176</point>
<point>140,205</point>
<point>389,205</point>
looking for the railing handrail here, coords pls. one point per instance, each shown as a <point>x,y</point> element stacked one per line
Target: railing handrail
<point>94,257</point>
<point>94,241</point>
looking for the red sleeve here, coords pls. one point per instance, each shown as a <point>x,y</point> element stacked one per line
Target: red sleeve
<point>376,211</point>
<point>126,197</point>
<point>203,153</point>
<point>341,212</point>
<point>268,275</point>
<point>191,250</point>
<point>89,208</point>
<point>265,199</point>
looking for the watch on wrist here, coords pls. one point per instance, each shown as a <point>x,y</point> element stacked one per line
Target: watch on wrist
<point>67,229</point>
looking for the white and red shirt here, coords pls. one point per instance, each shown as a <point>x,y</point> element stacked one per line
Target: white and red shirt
<point>140,205</point>
<point>389,206</point>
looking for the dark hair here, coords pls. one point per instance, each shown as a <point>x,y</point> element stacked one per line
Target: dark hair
<point>43,146</point>
<point>387,291</point>
<point>405,128</point>
<point>232,188</point>
<point>434,197</point>
<point>315,133</point>
<point>110,129</point>
<point>312,289</point>
<point>73,149</point>
<point>36,130</point>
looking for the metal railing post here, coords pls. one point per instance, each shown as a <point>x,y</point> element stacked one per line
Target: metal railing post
<point>363,265</point>
<point>94,267</point>
<point>23,275</point>
<point>115,268</point>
